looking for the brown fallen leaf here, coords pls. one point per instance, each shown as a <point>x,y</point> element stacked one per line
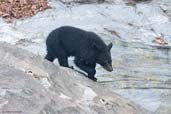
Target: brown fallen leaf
<point>159,40</point>
<point>20,9</point>
<point>113,32</point>
<point>132,3</point>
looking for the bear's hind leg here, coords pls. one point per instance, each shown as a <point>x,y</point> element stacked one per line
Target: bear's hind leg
<point>60,53</point>
<point>63,61</point>
<point>50,57</point>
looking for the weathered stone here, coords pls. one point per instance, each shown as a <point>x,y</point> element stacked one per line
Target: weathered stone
<point>142,67</point>
<point>67,93</point>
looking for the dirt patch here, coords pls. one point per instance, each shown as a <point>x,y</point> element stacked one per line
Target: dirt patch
<point>20,9</point>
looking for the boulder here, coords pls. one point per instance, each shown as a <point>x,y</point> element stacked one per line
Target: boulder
<point>31,85</point>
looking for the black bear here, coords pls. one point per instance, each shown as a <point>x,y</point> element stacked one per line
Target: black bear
<point>87,48</point>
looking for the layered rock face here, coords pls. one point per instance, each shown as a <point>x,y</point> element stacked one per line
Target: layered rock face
<point>31,85</point>
<point>140,32</point>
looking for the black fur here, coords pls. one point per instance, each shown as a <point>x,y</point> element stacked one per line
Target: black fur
<point>87,48</point>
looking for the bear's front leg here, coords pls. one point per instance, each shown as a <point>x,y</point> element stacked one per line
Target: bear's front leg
<point>91,73</point>
<point>89,69</point>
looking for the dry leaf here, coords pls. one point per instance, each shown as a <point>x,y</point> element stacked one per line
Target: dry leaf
<point>159,40</point>
<point>20,9</point>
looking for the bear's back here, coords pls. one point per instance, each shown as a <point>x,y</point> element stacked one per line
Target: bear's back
<point>75,40</point>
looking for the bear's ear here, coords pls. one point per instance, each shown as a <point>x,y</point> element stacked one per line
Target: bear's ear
<point>96,46</point>
<point>110,46</point>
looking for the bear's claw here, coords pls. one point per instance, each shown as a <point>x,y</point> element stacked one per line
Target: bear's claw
<point>93,78</point>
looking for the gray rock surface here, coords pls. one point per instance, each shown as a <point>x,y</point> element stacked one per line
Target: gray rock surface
<point>31,85</point>
<point>142,68</point>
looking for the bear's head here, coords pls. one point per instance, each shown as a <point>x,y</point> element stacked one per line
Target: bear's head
<point>103,57</point>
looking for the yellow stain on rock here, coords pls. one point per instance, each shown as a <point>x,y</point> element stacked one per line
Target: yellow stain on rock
<point>117,63</point>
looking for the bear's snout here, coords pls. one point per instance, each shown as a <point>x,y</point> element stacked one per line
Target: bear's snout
<point>108,67</point>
